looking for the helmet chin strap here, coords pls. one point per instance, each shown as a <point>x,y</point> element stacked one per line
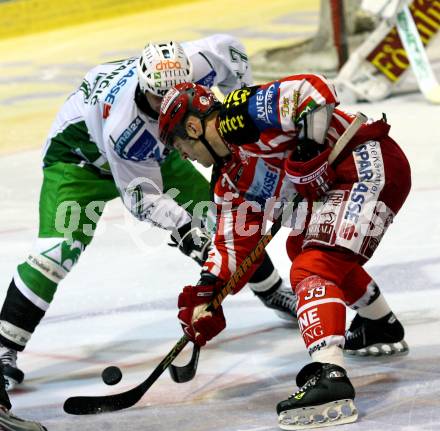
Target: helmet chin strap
<point>218,161</point>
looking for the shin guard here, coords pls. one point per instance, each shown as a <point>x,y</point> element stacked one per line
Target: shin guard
<point>321,313</point>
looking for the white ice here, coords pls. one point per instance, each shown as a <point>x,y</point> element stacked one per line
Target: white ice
<point>118,306</point>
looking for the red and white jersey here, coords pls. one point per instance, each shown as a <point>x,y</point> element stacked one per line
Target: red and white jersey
<point>265,119</point>
<point>262,125</point>
<point>102,125</point>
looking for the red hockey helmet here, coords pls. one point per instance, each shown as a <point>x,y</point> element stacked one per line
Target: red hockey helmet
<point>180,101</point>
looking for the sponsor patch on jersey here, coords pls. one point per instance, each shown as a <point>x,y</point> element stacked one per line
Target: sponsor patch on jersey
<point>369,167</point>
<point>102,81</point>
<point>235,124</point>
<point>111,95</point>
<point>134,146</point>
<point>208,80</point>
<point>231,123</point>
<point>236,98</point>
<point>264,183</point>
<point>325,220</point>
<point>309,107</point>
<point>289,102</point>
<point>263,107</point>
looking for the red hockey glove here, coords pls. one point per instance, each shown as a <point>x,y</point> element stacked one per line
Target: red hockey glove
<point>312,178</point>
<point>198,324</point>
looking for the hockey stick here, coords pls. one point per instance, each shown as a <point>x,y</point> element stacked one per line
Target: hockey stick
<point>185,373</point>
<point>82,405</point>
<point>410,37</point>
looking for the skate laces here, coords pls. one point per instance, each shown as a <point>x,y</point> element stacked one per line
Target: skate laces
<point>355,333</point>
<point>366,326</point>
<point>358,331</point>
<point>311,382</point>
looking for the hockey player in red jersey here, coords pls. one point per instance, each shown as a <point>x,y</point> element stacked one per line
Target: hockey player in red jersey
<point>104,144</point>
<point>273,141</point>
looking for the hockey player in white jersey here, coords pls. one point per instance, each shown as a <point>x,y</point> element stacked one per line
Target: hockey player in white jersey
<point>103,144</point>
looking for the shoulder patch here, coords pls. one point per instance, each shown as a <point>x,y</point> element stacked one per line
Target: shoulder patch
<point>235,125</point>
<point>208,80</point>
<point>263,107</point>
<point>135,145</point>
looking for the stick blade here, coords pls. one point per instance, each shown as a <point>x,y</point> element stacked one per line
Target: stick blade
<point>82,406</point>
<point>85,405</point>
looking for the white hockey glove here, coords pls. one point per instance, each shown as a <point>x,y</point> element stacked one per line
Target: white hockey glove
<point>195,242</point>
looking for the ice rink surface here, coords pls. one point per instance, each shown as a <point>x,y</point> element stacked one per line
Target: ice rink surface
<point>118,306</point>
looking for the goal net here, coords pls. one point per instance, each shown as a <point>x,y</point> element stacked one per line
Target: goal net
<point>345,28</point>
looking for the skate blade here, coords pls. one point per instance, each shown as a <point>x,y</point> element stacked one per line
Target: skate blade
<point>330,414</point>
<point>381,350</point>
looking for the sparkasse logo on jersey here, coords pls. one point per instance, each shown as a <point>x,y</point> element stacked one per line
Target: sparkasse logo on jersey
<point>111,95</point>
<point>168,64</point>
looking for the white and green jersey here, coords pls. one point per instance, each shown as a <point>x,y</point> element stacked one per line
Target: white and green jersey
<point>100,124</point>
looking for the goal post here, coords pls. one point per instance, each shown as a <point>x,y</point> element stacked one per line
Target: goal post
<point>342,26</point>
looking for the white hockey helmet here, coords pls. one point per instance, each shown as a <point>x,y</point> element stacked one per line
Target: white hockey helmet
<point>163,65</point>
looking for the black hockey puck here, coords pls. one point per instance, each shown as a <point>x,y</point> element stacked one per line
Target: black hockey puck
<point>111,375</point>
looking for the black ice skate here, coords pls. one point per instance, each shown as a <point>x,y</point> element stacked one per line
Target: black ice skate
<point>10,422</point>
<point>8,363</point>
<point>282,300</point>
<point>325,398</point>
<point>382,337</point>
